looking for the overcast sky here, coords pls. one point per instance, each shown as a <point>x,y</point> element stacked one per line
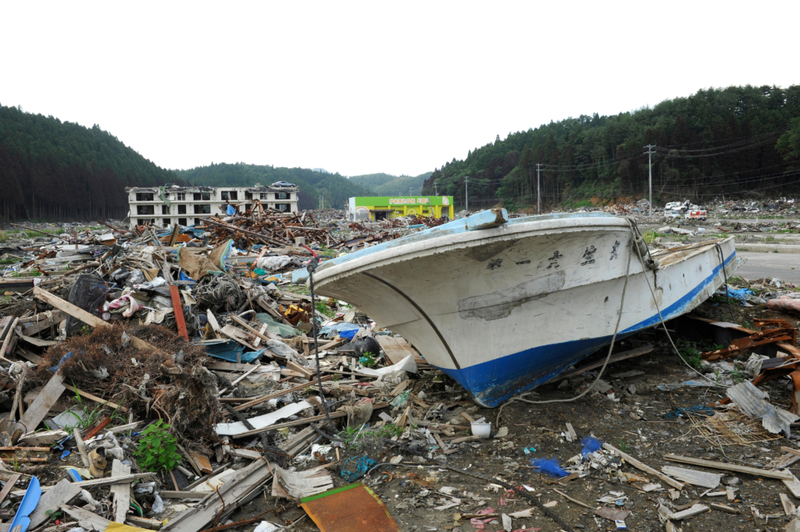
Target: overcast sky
<point>367,87</point>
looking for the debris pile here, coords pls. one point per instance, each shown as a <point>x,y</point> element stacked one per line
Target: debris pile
<point>171,381</point>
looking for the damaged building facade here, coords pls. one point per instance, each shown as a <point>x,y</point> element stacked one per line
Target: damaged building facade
<point>172,204</point>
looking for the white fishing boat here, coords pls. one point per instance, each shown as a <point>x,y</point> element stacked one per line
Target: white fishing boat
<point>503,306</point>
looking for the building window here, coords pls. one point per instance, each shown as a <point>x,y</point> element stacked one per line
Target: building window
<point>164,209</point>
<point>232,195</point>
<point>197,221</point>
<point>283,195</point>
<point>182,209</point>
<point>202,209</point>
<point>144,196</point>
<point>145,209</point>
<point>181,196</point>
<point>202,196</point>
<point>181,221</point>
<point>166,222</point>
<point>248,195</point>
<point>282,207</point>
<point>263,196</point>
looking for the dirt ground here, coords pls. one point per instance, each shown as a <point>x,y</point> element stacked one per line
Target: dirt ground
<point>632,420</point>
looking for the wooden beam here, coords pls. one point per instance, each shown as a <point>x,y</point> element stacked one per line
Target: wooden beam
<point>96,399</point>
<point>44,402</point>
<point>780,475</point>
<point>80,314</point>
<point>644,467</point>
<point>121,492</point>
<point>61,493</point>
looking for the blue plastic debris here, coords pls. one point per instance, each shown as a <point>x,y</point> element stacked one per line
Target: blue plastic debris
<point>61,362</point>
<point>700,410</point>
<point>362,465</point>
<point>551,467</point>
<point>590,445</point>
<point>230,350</point>
<point>74,475</point>
<point>740,294</point>
<point>29,502</point>
<point>529,450</point>
<point>65,454</point>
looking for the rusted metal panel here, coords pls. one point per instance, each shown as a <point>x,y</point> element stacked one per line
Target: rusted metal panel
<point>350,508</point>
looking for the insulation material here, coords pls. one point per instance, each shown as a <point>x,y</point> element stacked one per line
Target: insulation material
<point>753,402</point>
<point>260,422</point>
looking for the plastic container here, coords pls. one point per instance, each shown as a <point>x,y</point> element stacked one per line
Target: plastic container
<point>481,429</point>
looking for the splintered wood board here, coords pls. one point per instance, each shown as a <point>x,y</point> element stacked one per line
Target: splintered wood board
<point>397,349</point>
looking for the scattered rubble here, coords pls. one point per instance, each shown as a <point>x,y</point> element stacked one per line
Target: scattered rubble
<point>113,339</point>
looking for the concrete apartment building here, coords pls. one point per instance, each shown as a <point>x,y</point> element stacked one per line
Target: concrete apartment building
<point>172,204</point>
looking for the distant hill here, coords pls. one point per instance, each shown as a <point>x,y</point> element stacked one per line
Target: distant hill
<point>717,142</point>
<point>59,170</point>
<point>389,185</point>
<point>332,190</point>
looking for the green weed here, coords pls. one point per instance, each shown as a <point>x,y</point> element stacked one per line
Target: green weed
<point>158,449</point>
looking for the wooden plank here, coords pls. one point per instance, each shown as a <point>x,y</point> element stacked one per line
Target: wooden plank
<point>788,506</point>
<point>397,349</point>
<point>177,309</point>
<point>693,477</point>
<point>235,489</point>
<point>61,493</point>
<point>212,321</point>
<point>169,494</point>
<point>792,484</point>
<point>76,433</point>
<point>80,314</point>
<point>239,336</point>
<point>247,326</point>
<point>40,322</point>
<point>10,336</point>
<point>230,366</point>
<point>44,402</point>
<point>297,422</point>
<point>644,467</point>
<point>100,400</point>
<point>689,512</point>
<point>264,398</point>
<point>729,467</point>
<point>86,517</point>
<point>121,492</point>
<point>9,484</point>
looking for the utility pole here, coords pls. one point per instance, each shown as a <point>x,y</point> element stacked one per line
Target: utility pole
<point>538,194</point>
<point>435,189</point>
<point>650,172</point>
<point>409,191</point>
<point>466,190</point>
<point>321,202</point>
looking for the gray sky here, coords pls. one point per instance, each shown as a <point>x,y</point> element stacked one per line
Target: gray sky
<point>367,87</point>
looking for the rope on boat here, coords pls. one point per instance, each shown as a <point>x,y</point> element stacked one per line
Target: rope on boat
<point>635,244</point>
<point>653,264</point>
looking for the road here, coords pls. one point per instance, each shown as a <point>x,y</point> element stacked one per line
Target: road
<point>784,266</point>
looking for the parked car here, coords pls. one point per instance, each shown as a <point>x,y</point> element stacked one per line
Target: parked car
<point>672,215</point>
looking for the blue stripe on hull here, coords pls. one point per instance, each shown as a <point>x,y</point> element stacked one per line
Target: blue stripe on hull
<point>493,382</point>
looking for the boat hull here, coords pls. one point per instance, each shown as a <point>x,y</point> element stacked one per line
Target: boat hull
<point>505,309</point>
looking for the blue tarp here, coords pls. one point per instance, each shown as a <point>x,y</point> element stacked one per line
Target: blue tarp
<point>229,351</point>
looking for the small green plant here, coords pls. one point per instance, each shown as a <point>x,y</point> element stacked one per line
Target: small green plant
<point>325,309</point>
<point>691,354</point>
<point>90,416</point>
<point>623,446</point>
<point>738,375</point>
<point>158,449</point>
<point>368,360</point>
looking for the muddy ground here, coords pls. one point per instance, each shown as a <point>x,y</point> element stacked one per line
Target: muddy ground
<point>633,421</point>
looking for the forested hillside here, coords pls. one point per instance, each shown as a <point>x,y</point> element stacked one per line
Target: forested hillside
<point>717,142</point>
<point>59,170</point>
<point>333,189</point>
<point>390,185</point>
